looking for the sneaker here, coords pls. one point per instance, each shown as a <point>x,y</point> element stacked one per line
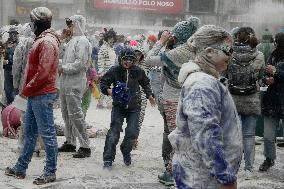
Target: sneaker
<point>12,172</point>
<point>82,153</point>
<point>44,179</point>
<point>280,144</point>
<point>107,164</point>
<point>266,165</point>
<point>248,175</point>
<point>127,159</point>
<point>67,148</point>
<point>166,178</point>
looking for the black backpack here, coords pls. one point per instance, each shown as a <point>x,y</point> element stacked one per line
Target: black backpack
<point>241,78</point>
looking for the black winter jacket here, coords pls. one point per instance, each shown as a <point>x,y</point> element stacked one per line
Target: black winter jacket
<point>136,78</point>
<point>273,98</point>
<point>9,56</point>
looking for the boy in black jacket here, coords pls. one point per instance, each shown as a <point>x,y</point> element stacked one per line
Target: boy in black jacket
<point>126,79</point>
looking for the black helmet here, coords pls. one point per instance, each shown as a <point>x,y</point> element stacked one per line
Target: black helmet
<point>126,52</point>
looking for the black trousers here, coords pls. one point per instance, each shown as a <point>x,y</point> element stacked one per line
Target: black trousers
<point>131,132</point>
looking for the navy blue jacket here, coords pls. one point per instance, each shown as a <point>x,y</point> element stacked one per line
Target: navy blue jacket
<point>9,56</point>
<point>136,78</point>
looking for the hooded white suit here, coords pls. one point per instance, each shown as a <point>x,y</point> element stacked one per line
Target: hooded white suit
<point>73,83</point>
<point>26,40</point>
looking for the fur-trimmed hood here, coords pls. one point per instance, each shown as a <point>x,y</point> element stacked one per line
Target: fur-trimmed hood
<point>186,69</point>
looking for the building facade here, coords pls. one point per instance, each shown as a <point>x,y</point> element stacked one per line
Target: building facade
<point>20,10</point>
<point>136,16</point>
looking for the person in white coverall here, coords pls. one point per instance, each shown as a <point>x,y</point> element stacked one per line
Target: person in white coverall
<point>20,57</point>
<point>26,40</point>
<point>72,87</point>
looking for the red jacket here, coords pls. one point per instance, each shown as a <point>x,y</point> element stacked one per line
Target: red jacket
<point>41,71</point>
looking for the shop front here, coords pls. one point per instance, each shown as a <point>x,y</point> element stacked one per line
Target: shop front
<point>125,15</point>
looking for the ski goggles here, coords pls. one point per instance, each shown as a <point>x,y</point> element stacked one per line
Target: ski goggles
<point>128,58</point>
<point>227,50</point>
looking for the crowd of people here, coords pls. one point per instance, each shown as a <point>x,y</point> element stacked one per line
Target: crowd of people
<point>209,84</point>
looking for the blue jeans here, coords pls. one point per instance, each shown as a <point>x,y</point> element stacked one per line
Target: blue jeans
<point>248,131</point>
<point>39,120</point>
<point>270,125</point>
<point>131,132</point>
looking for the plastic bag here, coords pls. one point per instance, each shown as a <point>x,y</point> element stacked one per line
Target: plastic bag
<point>121,93</point>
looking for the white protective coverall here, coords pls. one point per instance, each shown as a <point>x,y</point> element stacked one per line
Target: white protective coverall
<point>73,83</point>
<point>26,40</point>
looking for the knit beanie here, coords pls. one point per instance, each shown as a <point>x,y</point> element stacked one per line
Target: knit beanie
<point>183,30</point>
<point>41,13</point>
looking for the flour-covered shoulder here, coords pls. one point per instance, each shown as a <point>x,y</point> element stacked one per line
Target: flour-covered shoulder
<point>202,80</point>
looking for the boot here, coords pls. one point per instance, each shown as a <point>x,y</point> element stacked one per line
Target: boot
<point>67,148</point>
<point>12,172</point>
<point>82,153</point>
<point>266,165</point>
<point>127,159</point>
<point>44,179</point>
<point>166,178</point>
<point>107,165</point>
